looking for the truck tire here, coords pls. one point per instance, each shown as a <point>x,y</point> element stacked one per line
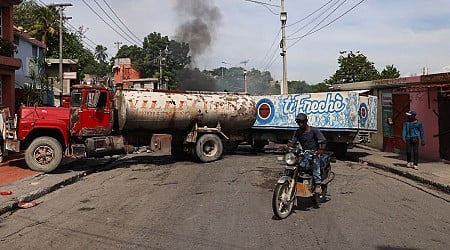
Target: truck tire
<point>208,148</point>
<point>44,154</point>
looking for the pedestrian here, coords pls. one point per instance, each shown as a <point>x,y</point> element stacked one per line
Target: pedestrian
<point>412,134</point>
<point>310,138</point>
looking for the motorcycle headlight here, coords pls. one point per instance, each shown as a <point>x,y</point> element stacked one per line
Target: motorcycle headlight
<point>290,158</point>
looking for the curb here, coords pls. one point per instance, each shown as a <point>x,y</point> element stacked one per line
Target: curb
<point>13,204</point>
<point>439,186</point>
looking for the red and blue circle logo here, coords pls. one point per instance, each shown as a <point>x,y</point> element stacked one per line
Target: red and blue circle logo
<point>265,111</point>
<point>363,113</point>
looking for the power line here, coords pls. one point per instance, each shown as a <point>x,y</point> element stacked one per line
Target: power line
<point>121,21</point>
<point>75,30</point>
<point>265,5</point>
<point>317,17</point>
<point>270,49</point>
<point>101,18</point>
<point>115,23</point>
<point>324,26</point>
<point>294,23</point>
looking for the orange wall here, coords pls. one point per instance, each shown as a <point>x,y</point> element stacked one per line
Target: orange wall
<point>424,102</point>
<point>125,72</point>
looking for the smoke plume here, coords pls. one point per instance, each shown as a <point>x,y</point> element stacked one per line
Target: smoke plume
<point>198,22</point>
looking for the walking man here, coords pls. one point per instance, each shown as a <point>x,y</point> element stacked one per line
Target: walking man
<point>412,130</point>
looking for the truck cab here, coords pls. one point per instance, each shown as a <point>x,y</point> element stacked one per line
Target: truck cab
<point>91,111</point>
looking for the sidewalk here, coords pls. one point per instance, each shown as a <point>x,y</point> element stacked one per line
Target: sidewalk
<point>435,174</point>
<point>27,185</point>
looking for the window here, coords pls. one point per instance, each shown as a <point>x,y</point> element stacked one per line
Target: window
<point>75,99</point>
<point>1,23</point>
<point>1,90</point>
<point>92,99</point>
<point>34,51</point>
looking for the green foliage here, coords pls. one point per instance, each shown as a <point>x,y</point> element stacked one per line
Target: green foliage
<point>158,50</point>
<point>100,53</point>
<point>232,80</point>
<point>390,72</point>
<point>194,79</point>
<point>320,87</point>
<point>7,48</point>
<point>25,13</point>
<point>353,68</point>
<point>295,87</point>
<point>40,88</point>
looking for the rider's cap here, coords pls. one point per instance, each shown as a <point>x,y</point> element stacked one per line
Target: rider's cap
<point>411,112</point>
<point>301,117</point>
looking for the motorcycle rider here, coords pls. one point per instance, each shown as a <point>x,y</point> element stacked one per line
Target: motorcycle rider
<point>310,138</point>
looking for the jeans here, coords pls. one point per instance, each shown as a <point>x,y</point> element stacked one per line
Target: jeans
<point>412,146</point>
<point>316,169</point>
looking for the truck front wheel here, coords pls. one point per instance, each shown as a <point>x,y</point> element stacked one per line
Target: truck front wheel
<point>44,154</point>
<point>208,148</point>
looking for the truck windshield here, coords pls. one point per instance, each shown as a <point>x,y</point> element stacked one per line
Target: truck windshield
<point>75,99</point>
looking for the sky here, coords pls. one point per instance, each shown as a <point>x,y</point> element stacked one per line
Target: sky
<point>409,34</point>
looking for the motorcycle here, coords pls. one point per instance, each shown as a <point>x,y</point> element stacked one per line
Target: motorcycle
<point>297,180</point>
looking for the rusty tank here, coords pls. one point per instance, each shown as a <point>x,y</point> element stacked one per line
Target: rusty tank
<point>179,110</point>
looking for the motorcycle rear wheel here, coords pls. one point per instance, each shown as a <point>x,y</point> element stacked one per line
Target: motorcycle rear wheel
<point>281,205</point>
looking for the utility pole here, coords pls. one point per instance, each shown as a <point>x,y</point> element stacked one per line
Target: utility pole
<point>283,19</point>
<point>118,45</point>
<point>61,17</point>
<point>245,75</point>
<point>160,70</point>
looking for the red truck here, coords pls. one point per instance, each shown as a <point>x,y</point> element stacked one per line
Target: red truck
<point>101,122</point>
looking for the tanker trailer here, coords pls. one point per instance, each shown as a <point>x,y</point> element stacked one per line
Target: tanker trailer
<point>200,123</point>
<point>100,122</point>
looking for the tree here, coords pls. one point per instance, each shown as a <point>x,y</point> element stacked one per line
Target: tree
<point>156,50</point>
<point>25,13</point>
<point>45,24</point>
<point>320,87</point>
<point>100,53</point>
<point>298,87</point>
<point>353,68</point>
<point>390,72</point>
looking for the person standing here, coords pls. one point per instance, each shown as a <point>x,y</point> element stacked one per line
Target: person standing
<point>411,133</point>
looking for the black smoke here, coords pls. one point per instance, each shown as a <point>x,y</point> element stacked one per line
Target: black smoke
<point>199,20</point>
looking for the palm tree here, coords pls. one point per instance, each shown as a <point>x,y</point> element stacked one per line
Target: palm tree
<point>100,53</point>
<point>45,25</point>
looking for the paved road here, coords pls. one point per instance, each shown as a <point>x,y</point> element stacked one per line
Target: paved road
<point>227,205</point>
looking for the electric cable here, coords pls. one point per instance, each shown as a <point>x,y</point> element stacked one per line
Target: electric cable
<point>294,23</point>
<point>115,23</point>
<point>312,31</point>
<point>120,20</point>
<point>101,18</point>
<point>315,18</point>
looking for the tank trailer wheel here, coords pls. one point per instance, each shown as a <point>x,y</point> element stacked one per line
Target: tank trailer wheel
<point>44,154</point>
<point>208,148</point>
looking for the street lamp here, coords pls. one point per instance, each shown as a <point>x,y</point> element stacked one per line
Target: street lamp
<point>245,74</point>
<point>245,80</point>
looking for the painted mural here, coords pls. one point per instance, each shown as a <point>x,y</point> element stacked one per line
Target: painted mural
<point>328,110</point>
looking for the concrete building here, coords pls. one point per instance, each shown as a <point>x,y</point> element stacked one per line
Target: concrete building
<point>428,95</point>
<point>8,64</point>
<point>31,52</point>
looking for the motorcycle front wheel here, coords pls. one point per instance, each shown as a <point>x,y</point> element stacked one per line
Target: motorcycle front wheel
<point>282,204</point>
